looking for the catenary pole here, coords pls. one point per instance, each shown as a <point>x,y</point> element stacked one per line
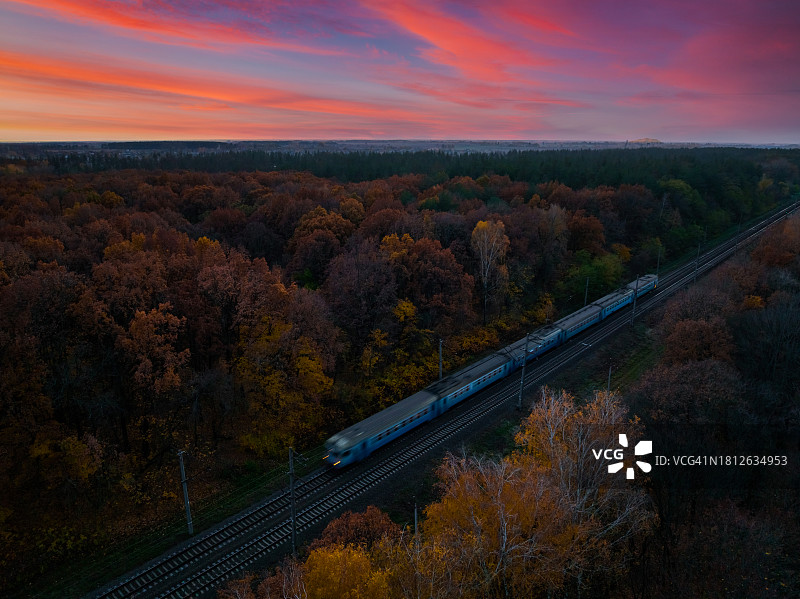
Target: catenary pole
<point>185,494</point>
<point>291,501</point>
<point>697,262</point>
<point>586,293</point>
<point>522,376</point>
<point>658,262</point>
<point>440,358</point>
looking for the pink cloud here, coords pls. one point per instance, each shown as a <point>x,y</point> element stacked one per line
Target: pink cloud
<point>456,43</point>
<point>468,92</point>
<point>526,17</point>
<point>162,22</point>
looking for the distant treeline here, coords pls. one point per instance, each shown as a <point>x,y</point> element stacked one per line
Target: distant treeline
<point>164,145</point>
<point>703,168</point>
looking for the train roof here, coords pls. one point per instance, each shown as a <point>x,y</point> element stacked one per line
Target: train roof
<point>538,337</point>
<point>545,333</point>
<point>644,280</point>
<point>454,382</point>
<point>353,435</point>
<point>578,317</point>
<point>613,298</point>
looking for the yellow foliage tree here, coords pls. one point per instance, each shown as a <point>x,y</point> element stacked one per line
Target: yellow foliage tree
<point>371,355</point>
<point>499,525</point>
<point>344,572</point>
<point>284,383</point>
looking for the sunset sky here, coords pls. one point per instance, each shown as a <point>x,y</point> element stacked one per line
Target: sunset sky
<point>676,70</point>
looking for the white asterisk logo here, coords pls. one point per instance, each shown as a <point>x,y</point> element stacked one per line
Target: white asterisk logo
<point>642,448</point>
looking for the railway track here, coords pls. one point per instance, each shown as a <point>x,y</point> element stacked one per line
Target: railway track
<point>241,543</point>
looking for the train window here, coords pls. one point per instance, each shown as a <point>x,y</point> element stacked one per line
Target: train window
<point>346,453</point>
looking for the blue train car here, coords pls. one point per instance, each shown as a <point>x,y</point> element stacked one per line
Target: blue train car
<point>614,301</point>
<point>457,387</point>
<point>643,284</point>
<point>358,441</point>
<point>577,321</point>
<point>545,339</point>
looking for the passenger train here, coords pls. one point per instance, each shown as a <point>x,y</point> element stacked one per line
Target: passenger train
<point>358,441</point>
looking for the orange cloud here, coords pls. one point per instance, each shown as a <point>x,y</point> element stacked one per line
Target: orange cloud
<point>79,80</point>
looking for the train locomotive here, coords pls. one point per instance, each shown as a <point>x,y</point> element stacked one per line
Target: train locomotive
<point>356,442</point>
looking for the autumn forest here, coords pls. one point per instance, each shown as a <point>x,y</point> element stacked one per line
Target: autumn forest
<point>234,311</point>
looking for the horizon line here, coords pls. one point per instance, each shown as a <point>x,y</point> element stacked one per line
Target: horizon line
<point>639,141</point>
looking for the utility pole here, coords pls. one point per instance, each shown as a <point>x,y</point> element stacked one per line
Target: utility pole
<point>697,262</point>
<point>417,573</point>
<point>185,494</point>
<point>658,261</point>
<point>291,502</point>
<point>586,293</point>
<point>440,358</point>
<point>635,293</point>
<point>416,535</point>
<point>608,387</point>
<point>522,377</point>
